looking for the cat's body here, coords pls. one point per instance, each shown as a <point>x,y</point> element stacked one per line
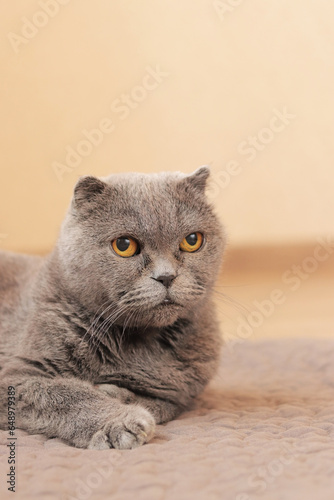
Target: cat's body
<point>99,346</point>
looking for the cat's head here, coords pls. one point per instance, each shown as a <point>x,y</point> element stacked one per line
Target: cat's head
<point>144,248</point>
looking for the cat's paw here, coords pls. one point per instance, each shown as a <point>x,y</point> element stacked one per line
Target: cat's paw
<point>133,428</point>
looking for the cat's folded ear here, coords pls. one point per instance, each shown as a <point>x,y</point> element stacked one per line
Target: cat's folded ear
<point>87,190</point>
<point>198,179</point>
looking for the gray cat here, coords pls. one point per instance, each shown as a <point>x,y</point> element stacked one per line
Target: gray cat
<point>115,330</point>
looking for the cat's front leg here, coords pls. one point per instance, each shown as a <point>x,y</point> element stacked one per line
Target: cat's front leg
<point>76,412</point>
<point>162,410</point>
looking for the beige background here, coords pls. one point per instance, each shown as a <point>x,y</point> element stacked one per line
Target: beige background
<point>229,65</point>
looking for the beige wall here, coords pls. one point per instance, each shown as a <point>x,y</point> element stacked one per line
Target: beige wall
<point>229,70</point>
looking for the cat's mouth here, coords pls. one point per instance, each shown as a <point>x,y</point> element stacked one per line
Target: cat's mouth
<point>168,302</point>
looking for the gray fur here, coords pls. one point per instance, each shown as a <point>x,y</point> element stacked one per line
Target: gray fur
<point>94,357</point>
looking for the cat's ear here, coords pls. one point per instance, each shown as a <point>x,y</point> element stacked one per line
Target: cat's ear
<point>87,189</point>
<point>198,179</point>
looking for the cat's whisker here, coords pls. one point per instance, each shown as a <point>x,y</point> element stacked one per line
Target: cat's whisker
<point>223,314</point>
<point>110,322</point>
<point>97,315</point>
<point>230,301</point>
<point>105,327</point>
<point>112,317</point>
<point>93,332</point>
<point>93,324</point>
<point>126,323</point>
<point>137,300</point>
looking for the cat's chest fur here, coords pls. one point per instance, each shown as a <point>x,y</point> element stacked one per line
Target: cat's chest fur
<point>134,358</point>
<point>150,361</point>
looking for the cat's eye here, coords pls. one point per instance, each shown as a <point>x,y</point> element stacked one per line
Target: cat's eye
<point>192,242</point>
<point>125,246</point>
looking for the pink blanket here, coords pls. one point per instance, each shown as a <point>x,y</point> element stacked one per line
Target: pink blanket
<point>264,429</point>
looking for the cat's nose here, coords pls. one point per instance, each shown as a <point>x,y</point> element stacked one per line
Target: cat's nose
<point>165,279</point>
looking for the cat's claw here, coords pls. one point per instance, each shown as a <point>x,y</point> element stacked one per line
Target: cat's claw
<point>132,429</point>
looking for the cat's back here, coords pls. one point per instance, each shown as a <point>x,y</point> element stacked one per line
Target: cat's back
<point>17,273</point>
<point>16,269</point>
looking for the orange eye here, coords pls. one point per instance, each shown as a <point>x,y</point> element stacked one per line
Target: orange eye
<point>125,246</point>
<point>192,242</point>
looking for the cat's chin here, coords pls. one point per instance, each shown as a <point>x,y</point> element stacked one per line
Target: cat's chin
<point>163,314</point>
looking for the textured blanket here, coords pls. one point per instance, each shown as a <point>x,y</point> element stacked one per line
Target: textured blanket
<point>264,429</point>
